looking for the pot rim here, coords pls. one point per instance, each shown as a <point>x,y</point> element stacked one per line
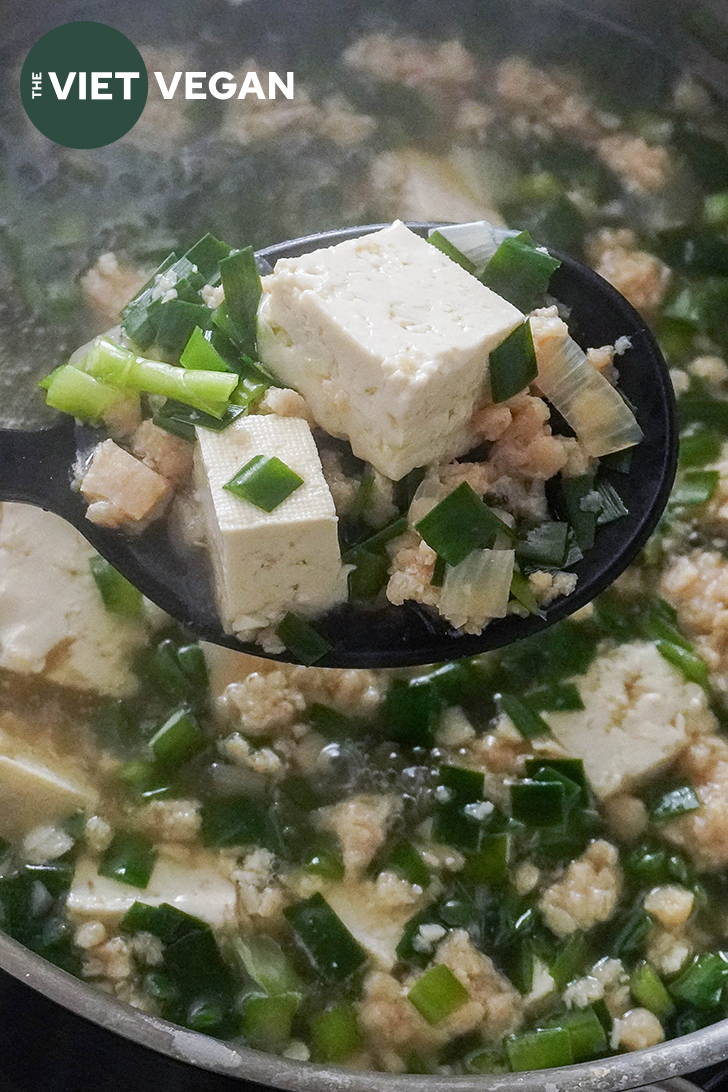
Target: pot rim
<point>662,1065</point>
<point>622,1072</point>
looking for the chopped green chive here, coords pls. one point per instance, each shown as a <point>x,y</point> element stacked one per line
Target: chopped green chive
<point>118,594</point>
<point>179,738</point>
<point>335,1033</point>
<point>177,321</point>
<point>571,960</point>
<point>693,668</point>
<point>241,281</point>
<point>699,446</point>
<point>265,481</point>
<point>581,504</point>
<point>266,1022</point>
<point>545,546</point>
<point>519,271</point>
<point>73,391</point>
<point>438,240</point>
<point>130,859</point>
<point>512,365</point>
<point>521,592</point>
<point>200,353</point>
<point>694,487</point>
<point>489,863</point>
<point>183,420</point>
<point>459,524</point>
<point>648,990</point>
<point>677,801</point>
<point>407,862</point>
<point>411,712</point>
<point>544,1049</point>
<point>702,983</point>
<point>557,697</point>
<point>369,575</point>
<point>206,254</point>
<point>237,821</point>
<point>437,994</point>
<point>586,1033</point>
<point>267,964</point>
<point>206,391</point>
<point>302,640</point>
<point>325,939</point>
<point>613,507</point>
<point>538,803</point>
<point>525,719</point>
<point>571,768</point>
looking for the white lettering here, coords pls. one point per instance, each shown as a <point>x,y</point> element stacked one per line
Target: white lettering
<point>82,85</point>
<point>168,92</point>
<point>251,83</point>
<point>100,84</point>
<point>276,83</point>
<point>127,77</point>
<point>36,78</point>
<point>193,85</point>
<point>62,92</point>
<point>228,89</point>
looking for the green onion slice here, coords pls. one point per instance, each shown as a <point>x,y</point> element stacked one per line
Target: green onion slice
<point>119,595</point>
<point>437,994</point>
<point>130,859</point>
<point>459,524</point>
<point>265,481</point>
<point>519,271</point>
<point>512,364</point>
<point>300,638</point>
<point>325,939</point>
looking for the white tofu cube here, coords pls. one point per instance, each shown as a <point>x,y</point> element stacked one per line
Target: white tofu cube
<point>196,887</point>
<point>32,794</point>
<point>268,563</point>
<point>639,713</point>
<point>52,618</point>
<point>388,340</point>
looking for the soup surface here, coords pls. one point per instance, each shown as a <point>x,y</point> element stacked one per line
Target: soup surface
<point>507,864</point>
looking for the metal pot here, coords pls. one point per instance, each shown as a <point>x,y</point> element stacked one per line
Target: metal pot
<point>62,1035</point>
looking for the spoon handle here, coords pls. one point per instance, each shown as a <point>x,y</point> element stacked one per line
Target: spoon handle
<point>36,467</point>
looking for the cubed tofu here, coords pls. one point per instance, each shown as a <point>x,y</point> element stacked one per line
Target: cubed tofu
<point>268,563</point>
<point>196,887</point>
<point>52,618</point>
<point>32,794</point>
<point>122,491</point>
<point>639,714</point>
<point>388,340</point>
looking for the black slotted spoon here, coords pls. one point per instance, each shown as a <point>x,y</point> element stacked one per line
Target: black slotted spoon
<point>37,468</point>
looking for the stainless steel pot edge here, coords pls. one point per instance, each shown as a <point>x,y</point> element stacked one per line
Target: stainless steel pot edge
<point>618,1074</point>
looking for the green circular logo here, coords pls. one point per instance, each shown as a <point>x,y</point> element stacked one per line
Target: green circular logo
<point>84,85</point>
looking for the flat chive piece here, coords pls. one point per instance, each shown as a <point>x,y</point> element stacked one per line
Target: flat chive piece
<point>179,738</point>
<point>266,1023</point>
<point>335,1033</point>
<point>545,546</point>
<point>519,271</point>
<point>437,994</point>
<point>438,240</point>
<point>703,981</point>
<point>118,594</point>
<point>206,254</point>
<point>200,353</point>
<point>241,281</point>
<point>694,487</point>
<point>648,990</point>
<point>525,719</point>
<point>512,364</point>
<point>183,420</point>
<point>129,859</point>
<point>237,821</point>
<point>325,939</point>
<point>693,668</point>
<point>301,639</point>
<point>677,801</point>
<point>581,504</point>
<point>459,524</point>
<point>544,1049</point>
<point>265,481</point>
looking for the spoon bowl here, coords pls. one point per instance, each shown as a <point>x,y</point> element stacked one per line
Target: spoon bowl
<point>38,468</point>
